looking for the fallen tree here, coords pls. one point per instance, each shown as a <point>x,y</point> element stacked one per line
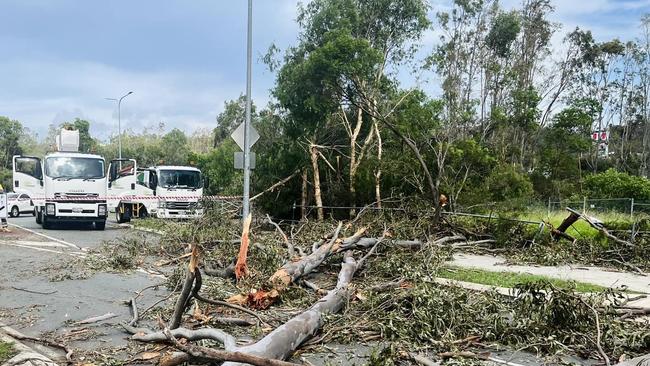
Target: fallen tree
<point>277,345</point>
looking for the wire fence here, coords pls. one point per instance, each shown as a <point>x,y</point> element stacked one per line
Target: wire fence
<point>592,206</point>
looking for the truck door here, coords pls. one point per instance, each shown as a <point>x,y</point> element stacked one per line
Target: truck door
<point>121,177</point>
<point>28,177</point>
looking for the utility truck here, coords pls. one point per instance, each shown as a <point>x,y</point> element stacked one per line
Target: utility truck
<point>163,191</point>
<point>66,185</point>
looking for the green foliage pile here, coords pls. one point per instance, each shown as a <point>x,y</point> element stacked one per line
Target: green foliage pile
<point>540,318</point>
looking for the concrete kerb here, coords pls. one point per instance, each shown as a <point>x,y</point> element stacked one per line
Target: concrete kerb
<point>133,227</point>
<point>26,356</point>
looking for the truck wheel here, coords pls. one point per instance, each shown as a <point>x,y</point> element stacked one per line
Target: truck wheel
<point>100,225</point>
<point>46,223</point>
<point>39,216</point>
<point>122,217</point>
<point>15,212</point>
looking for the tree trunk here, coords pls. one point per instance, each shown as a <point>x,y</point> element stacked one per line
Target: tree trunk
<point>285,339</point>
<point>378,170</point>
<point>303,196</point>
<point>317,192</point>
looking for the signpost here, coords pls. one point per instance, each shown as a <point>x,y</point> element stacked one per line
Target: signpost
<point>601,138</point>
<point>247,123</point>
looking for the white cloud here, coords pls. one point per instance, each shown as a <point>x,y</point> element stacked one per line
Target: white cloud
<point>43,93</point>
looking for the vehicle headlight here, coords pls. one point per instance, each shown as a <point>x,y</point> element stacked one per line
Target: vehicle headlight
<point>50,209</point>
<point>101,210</point>
<point>162,204</point>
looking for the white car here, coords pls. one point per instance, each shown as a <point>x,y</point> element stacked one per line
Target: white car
<point>18,203</point>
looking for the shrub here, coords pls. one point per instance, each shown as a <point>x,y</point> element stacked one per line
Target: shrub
<point>506,183</point>
<point>613,184</point>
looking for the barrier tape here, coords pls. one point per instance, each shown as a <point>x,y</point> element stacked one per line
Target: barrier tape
<point>132,198</point>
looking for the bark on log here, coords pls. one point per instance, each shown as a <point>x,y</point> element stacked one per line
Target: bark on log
<point>639,361</point>
<point>219,355</point>
<point>184,299</point>
<point>134,310</point>
<point>217,335</point>
<point>292,271</point>
<point>284,340</point>
<point>598,225</point>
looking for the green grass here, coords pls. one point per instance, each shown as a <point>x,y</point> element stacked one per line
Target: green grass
<point>580,229</point>
<point>509,279</point>
<point>7,351</point>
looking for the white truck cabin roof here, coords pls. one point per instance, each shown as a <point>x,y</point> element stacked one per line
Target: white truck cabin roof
<point>63,154</point>
<point>175,167</point>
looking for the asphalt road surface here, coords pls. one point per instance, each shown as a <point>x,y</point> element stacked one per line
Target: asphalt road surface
<point>40,293</point>
<point>81,235</point>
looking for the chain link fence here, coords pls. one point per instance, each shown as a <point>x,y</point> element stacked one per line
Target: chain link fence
<point>594,206</point>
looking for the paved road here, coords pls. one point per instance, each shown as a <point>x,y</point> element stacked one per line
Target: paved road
<point>81,235</point>
<point>34,300</point>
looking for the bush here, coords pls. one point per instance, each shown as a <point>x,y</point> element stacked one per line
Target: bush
<point>613,184</point>
<point>506,183</point>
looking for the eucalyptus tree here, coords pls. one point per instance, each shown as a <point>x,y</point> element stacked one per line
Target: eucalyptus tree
<point>337,75</point>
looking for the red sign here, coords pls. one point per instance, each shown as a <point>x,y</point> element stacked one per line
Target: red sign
<point>603,135</point>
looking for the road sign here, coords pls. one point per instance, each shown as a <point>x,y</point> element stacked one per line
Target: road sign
<point>599,136</point>
<point>238,136</point>
<point>239,160</point>
<point>603,150</point>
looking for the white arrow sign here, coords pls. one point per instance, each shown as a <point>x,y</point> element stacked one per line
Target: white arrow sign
<point>238,136</point>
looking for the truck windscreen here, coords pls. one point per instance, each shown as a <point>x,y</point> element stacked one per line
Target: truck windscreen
<point>179,179</point>
<point>74,168</point>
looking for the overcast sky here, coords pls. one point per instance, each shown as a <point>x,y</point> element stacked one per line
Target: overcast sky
<point>182,59</point>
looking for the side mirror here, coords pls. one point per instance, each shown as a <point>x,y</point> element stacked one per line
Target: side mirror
<point>132,186</point>
<point>206,182</point>
<point>154,192</point>
<point>41,182</point>
<point>110,184</point>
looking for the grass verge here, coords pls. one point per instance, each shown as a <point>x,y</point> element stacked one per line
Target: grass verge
<point>7,351</point>
<point>510,279</point>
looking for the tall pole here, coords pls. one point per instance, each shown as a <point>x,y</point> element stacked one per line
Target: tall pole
<point>247,122</point>
<point>119,121</point>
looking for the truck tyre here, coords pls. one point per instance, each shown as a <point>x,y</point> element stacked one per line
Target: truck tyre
<point>100,225</point>
<point>39,216</point>
<point>122,217</point>
<point>15,212</point>
<point>47,225</point>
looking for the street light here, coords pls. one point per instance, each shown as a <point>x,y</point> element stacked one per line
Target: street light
<point>119,121</point>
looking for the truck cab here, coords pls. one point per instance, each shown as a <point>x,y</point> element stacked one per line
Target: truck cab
<point>65,187</point>
<point>164,191</point>
<point>178,190</point>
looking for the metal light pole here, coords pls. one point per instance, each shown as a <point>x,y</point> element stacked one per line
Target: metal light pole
<point>247,123</point>
<point>119,121</point>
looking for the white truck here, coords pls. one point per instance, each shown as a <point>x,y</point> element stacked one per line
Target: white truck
<point>161,191</point>
<point>65,186</point>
